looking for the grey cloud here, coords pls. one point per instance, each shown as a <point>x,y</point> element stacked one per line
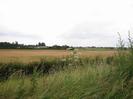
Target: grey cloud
<point>18,35</point>
<point>2,34</point>
<point>94,30</point>
<point>93,33</point>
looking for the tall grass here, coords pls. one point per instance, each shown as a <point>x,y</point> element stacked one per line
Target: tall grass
<point>77,83</point>
<point>46,66</point>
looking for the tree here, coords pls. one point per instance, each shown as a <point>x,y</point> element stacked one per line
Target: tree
<point>41,44</point>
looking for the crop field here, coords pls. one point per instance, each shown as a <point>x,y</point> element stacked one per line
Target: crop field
<point>26,56</point>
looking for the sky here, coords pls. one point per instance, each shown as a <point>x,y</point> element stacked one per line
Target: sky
<point>70,22</point>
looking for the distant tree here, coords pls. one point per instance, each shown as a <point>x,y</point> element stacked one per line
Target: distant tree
<point>41,44</point>
<point>59,47</point>
<point>65,46</point>
<point>16,43</point>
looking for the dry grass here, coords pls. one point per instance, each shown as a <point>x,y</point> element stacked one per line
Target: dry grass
<point>26,56</point>
<point>18,53</point>
<point>97,53</point>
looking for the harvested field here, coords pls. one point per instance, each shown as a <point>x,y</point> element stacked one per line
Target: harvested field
<point>12,55</point>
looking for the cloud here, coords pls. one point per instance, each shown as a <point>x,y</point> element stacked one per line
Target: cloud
<point>92,30</point>
<point>17,34</point>
<point>4,32</point>
<point>98,33</point>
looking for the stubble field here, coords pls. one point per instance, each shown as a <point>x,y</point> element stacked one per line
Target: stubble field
<point>26,56</point>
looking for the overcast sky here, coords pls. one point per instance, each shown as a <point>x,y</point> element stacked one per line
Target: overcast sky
<point>71,22</point>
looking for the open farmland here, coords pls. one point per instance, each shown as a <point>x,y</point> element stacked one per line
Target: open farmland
<point>26,56</point>
<point>84,74</point>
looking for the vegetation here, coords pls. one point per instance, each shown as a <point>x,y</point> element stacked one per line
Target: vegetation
<point>72,77</point>
<point>16,45</point>
<point>42,45</point>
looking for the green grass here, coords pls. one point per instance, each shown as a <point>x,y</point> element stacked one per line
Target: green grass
<point>77,83</point>
<point>98,49</point>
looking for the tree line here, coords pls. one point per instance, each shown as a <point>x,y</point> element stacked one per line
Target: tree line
<point>16,45</point>
<point>40,45</point>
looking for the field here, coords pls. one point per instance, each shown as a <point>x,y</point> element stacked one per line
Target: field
<point>63,74</point>
<point>27,56</point>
